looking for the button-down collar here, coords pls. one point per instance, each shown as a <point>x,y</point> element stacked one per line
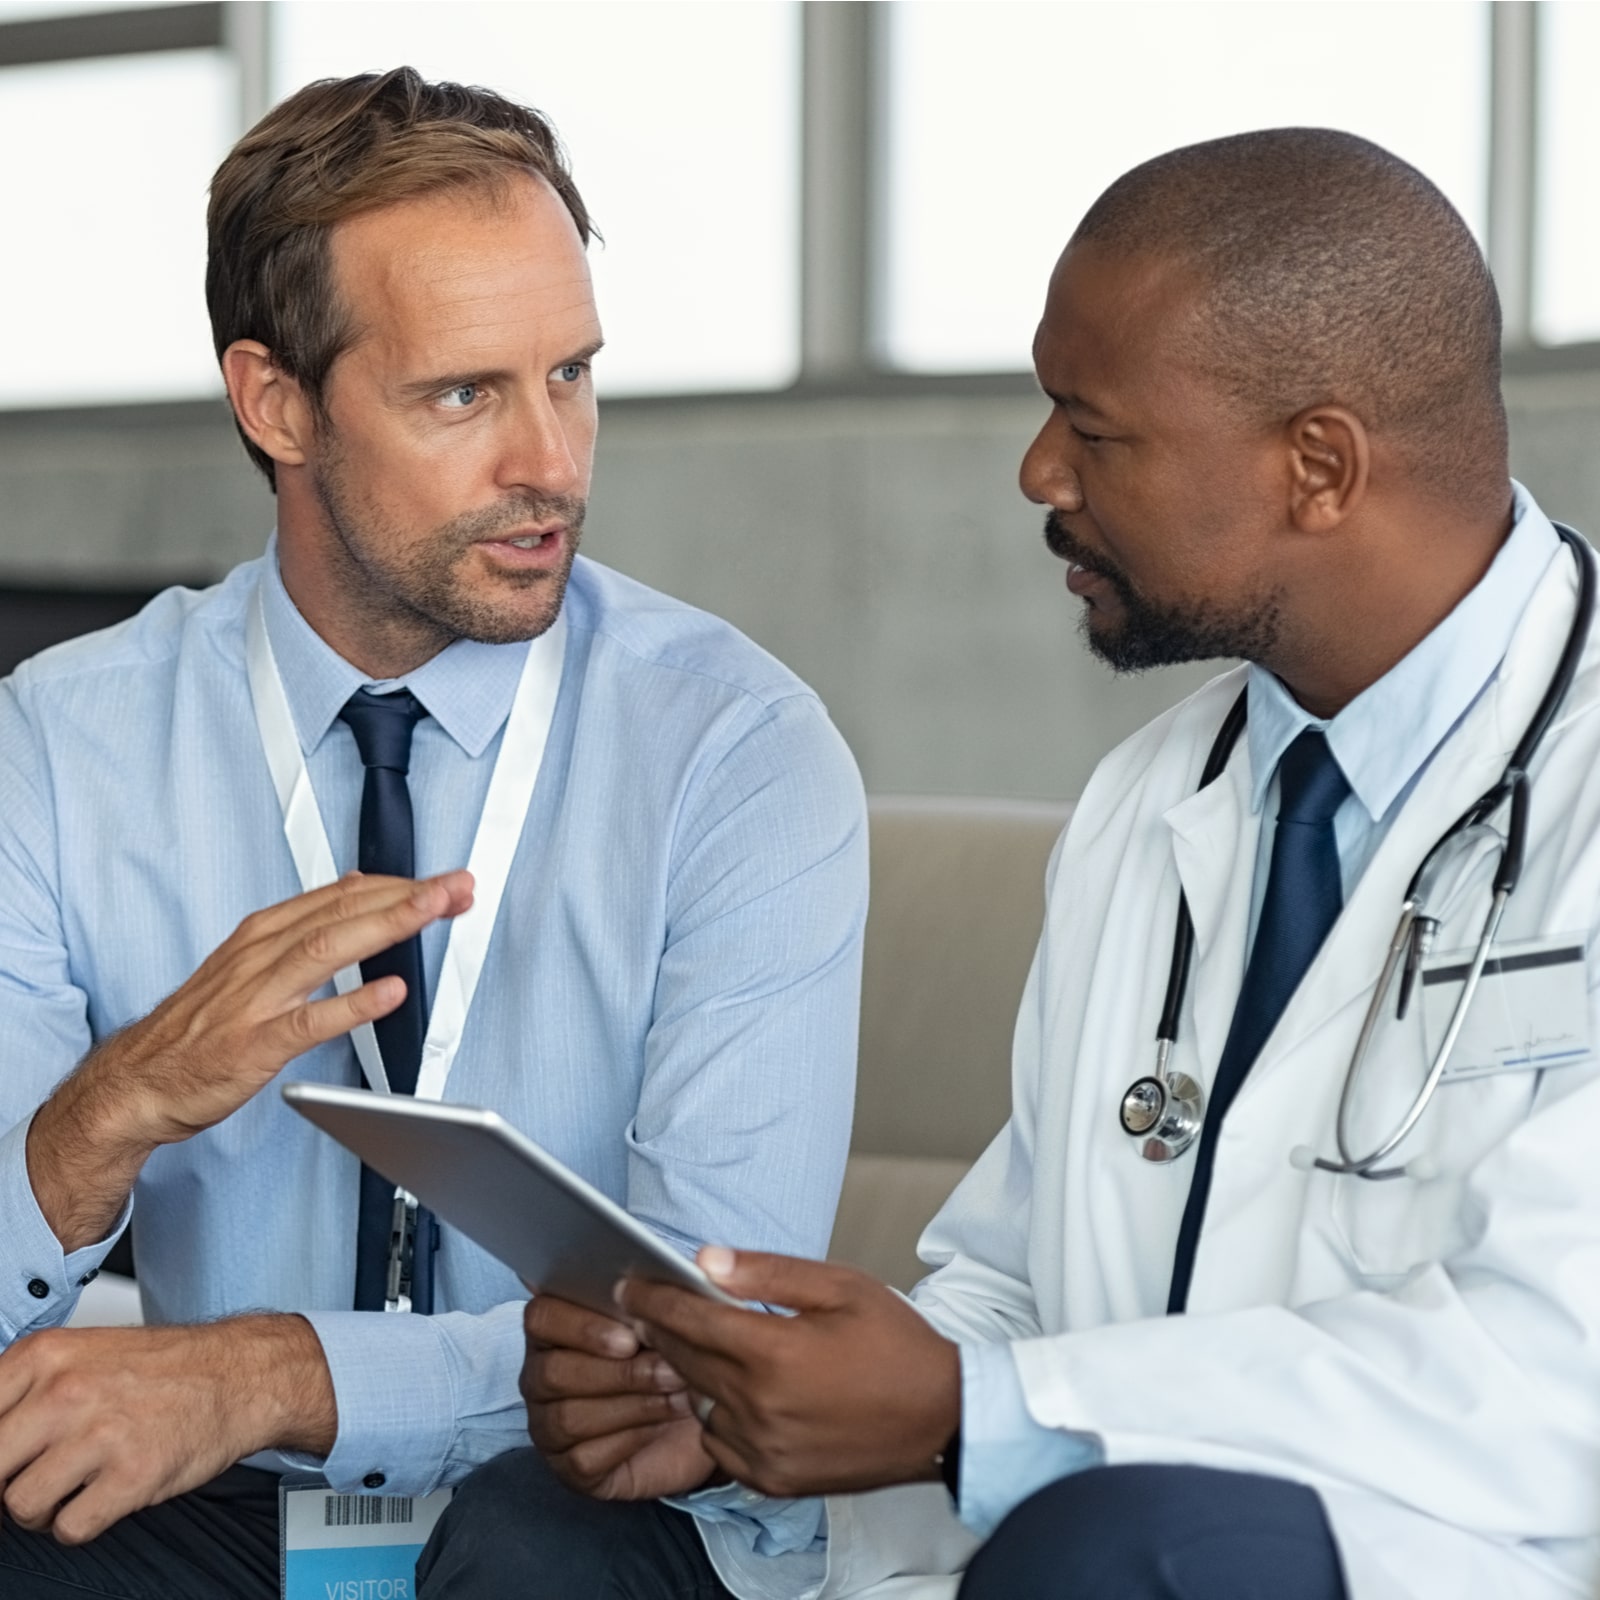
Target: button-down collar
<point>468,687</point>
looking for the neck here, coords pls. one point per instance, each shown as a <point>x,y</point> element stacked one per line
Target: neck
<point>1399,584</point>
<point>348,614</point>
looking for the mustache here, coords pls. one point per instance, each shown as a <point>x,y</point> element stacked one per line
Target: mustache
<point>517,511</point>
<point>1062,543</point>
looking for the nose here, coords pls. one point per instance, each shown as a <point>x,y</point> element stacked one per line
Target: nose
<point>1047,476</point>
<point>546,450</point>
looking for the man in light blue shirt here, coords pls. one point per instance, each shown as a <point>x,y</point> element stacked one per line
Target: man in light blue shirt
<point>402,310</point>
<point>1160,1371</point>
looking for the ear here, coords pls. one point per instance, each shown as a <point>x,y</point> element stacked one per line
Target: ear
<point>269,404</point>
<point>1330,455</point>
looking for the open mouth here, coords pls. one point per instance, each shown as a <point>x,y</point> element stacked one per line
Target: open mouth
<point>537,548</point>
<point>1081,579</point>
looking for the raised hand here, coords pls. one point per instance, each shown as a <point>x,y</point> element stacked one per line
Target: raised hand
<point>219,1038</point>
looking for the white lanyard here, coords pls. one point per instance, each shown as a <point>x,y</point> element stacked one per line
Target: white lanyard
<point>505,811</point>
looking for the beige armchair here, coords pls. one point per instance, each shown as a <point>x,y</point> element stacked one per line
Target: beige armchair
<point>957,902</point>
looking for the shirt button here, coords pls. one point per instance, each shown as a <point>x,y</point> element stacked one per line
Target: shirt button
<point>374,1480</point>
<point>88,1277</point>
<point>39,1289</point>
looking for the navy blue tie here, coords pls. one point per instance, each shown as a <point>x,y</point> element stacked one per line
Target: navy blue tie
<point>383,725</point>
<point>1303,899</point>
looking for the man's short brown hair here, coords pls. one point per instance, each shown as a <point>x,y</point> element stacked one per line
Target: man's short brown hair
<point>331,151</point>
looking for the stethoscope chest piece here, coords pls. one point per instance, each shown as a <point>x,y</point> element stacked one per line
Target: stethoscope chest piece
<point>1164,1113</point>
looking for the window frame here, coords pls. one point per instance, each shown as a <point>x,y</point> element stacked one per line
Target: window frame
<point>844,49</point>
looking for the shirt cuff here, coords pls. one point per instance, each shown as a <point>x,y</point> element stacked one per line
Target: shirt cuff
<point>397,1411</point>
<point>769,1527</point>
<point>39,1283</point>
<point>1005,1455</point>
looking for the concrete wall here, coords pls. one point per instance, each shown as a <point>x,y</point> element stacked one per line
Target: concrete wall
<point>877,544</point>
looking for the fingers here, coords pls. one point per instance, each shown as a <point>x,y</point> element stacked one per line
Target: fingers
<point>729,1455</point>
<point>364,917</point>
<point>777,1280</point>
<point>691,1317</point>
<point>32,1363</point>
<point>19,1365</point>
<point>565,1424</point>
<point>706,1370</point>
<point>552,1321</point>
<point>586,1464</point>
<point>107,1498</point>
<point>367,916</point>
<point>343,892</point>
<point>34,1495</point>
<point>317,1021</point>
<point>568,1374</point>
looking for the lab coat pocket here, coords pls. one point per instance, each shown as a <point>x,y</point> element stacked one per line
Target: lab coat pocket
<point>1391,1227</point>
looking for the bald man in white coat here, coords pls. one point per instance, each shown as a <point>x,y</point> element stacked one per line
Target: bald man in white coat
<point>1276,434</point>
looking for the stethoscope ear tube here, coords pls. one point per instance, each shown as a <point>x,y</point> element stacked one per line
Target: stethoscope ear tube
<point>1510,869</point>
<point>1183,932</point>
<point>1166,1110</point>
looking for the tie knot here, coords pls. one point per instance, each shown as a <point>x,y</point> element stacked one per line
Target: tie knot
<point>1310,785</point>
<point>383,725</point>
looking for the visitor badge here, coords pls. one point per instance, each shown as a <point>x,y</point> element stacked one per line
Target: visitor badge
<point>1531,1010</point>
<point>351,1546</point>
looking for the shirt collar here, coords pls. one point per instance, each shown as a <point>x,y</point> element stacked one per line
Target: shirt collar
<point>468,687</point>
<point>1387,734</point>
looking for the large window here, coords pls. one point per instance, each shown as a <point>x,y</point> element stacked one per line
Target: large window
<point>953,145</point>
<point>1566,295</point>
<point>682,120</point>
<point>1007,120</point>
<point>104,188</point>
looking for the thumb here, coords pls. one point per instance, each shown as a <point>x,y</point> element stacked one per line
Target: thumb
<point>776,1280</point>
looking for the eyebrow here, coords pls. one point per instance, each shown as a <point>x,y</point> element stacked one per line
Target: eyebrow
<point>421,388</point>
<point>1075,402</point>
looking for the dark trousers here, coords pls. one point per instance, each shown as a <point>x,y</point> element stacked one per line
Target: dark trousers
<point>512,1529</point>
<point>217,1543</point>
<point>1161,1533</point>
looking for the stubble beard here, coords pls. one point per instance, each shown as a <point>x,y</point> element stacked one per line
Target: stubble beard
<point>1151,634</point>
<point>413,590</point>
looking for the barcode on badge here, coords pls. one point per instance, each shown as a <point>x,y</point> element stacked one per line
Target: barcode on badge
<point>364,1510</point>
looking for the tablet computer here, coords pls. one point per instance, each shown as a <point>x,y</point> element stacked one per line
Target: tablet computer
<point>472,1169</point>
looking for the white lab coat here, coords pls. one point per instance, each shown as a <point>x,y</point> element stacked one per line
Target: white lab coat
<point>1425,1354</point>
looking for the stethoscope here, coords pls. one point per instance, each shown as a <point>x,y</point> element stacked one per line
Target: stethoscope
<point>1165,1111</point>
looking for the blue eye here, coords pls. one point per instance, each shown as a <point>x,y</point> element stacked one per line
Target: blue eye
<point>460,397</point>
<point>571,372</point>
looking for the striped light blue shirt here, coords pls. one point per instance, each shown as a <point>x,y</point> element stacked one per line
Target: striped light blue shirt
<point>668,1005</point>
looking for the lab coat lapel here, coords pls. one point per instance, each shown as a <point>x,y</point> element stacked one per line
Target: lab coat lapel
<point>1214,841</point>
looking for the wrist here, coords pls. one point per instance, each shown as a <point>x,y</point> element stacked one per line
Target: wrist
<point>939,1437</point>
<point>279,1384</point>
<point>84,1151</point>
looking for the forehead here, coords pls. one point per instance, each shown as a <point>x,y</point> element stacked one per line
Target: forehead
<point>465,267</point>
<point>1118,326</point>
